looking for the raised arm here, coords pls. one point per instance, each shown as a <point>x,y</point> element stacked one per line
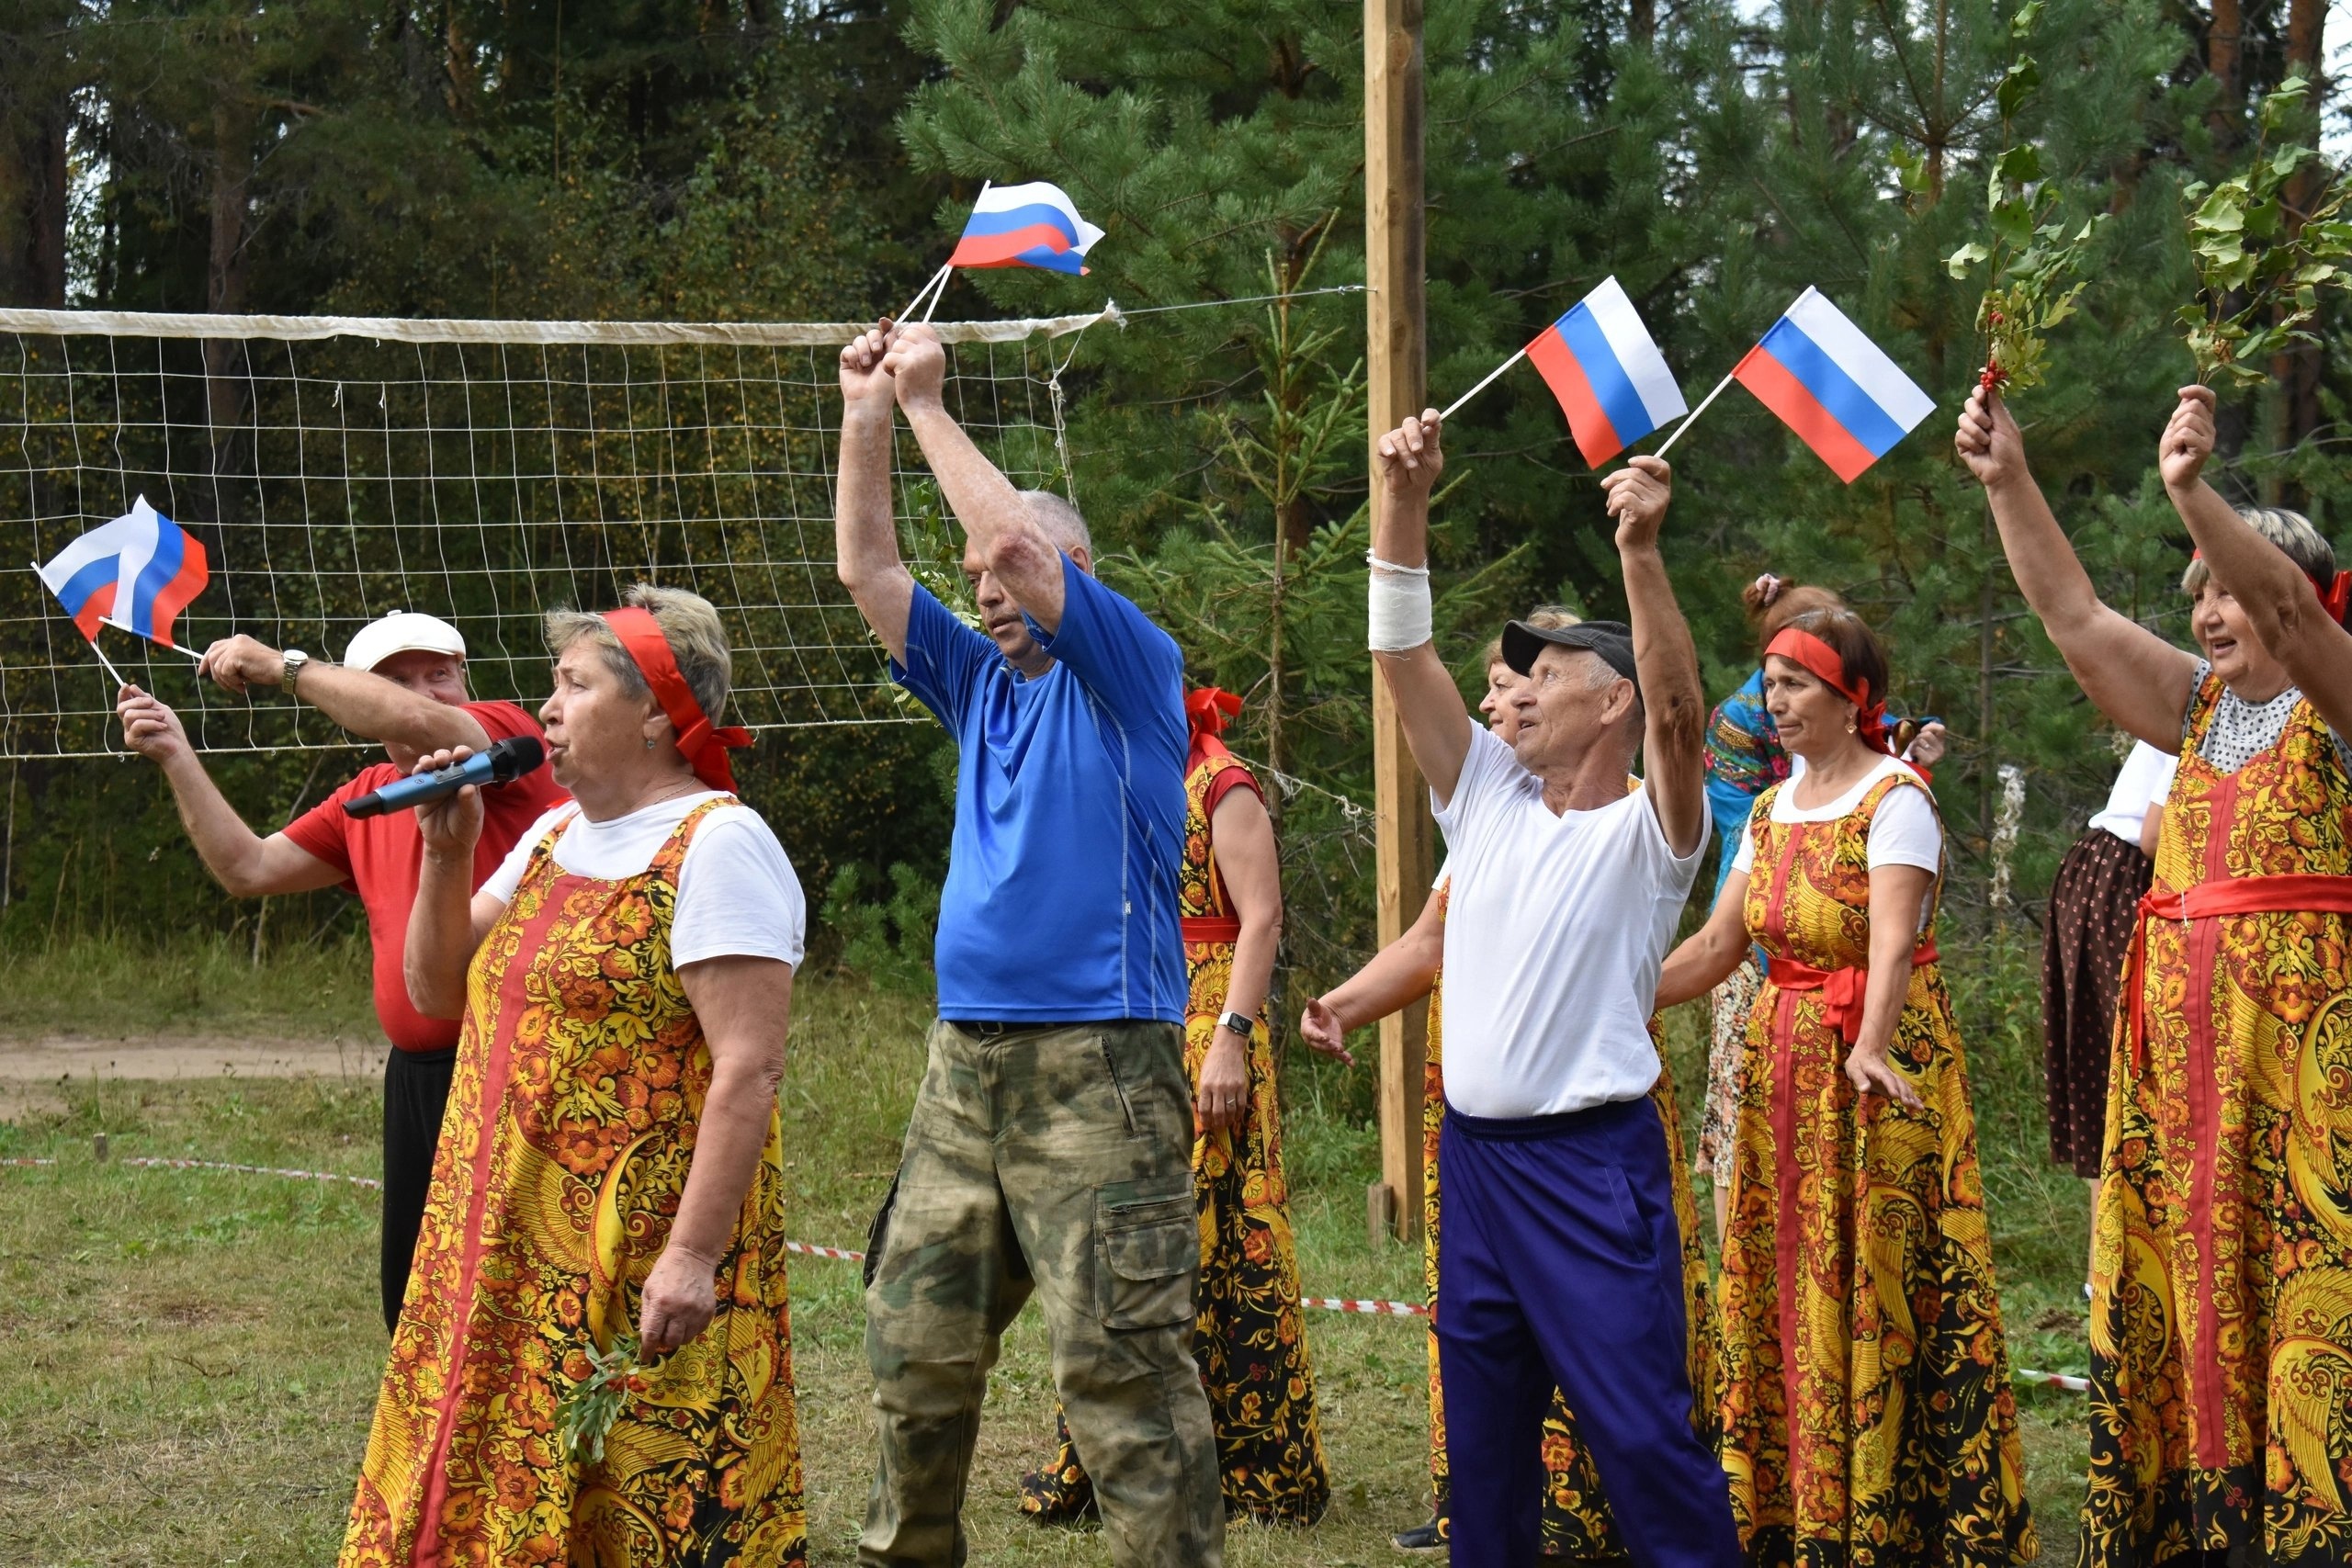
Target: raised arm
<point>1005,538</point>
<point>865,528</point>
<point>1437,726</point>
<point>1674,742</point>
<point>365,703</point>
<point>1399,975</point>
<point>2141,682</point>
<point>448,919</point>
<point>241,860</point>
<point>2277,599</point>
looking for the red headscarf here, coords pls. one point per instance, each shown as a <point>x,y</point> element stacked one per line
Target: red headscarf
<point>1206,710</point>
<point>1817,656</point>
<point>704,747</point>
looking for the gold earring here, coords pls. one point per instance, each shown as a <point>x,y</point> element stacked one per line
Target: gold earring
<point>1851,728</point>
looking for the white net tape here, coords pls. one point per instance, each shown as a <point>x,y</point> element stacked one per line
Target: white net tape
<point>336,469</point>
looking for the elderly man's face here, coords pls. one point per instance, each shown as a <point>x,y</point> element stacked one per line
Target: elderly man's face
<point>591,724</point>
<point>1561,709</point>
<point>441,676</point>
<point>1000,616</point>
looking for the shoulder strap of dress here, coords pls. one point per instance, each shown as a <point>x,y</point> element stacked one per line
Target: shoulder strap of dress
<point>673,852</point>
<point>2203,703</point>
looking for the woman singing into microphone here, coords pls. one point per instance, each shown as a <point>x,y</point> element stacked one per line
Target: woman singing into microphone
<point>611,1167</point>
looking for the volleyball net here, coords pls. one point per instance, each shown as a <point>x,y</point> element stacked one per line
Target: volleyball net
<point>338,468</point>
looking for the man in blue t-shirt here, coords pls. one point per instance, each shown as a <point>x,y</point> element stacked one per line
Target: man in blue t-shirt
<point>1050,1147</point>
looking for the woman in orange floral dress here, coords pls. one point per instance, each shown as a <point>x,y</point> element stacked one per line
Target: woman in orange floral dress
<point>1250,1337</point>
<point>2221,1407</point>
<point>1575,1521</point>
<point>1867,1415</point>
<point>610,1183</point>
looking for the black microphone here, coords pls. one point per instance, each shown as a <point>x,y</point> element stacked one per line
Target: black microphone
<point>503,762</point>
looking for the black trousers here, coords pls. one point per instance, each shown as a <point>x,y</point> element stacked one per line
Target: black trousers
<point>416,1087</point>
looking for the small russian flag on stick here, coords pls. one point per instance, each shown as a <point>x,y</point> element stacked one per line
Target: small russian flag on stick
<point>1601,362</point>
<point>1833,386</point>
<point>136,573</point>
<point>1030,225</point>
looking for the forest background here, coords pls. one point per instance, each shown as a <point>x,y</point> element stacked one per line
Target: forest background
<point>795,160</point>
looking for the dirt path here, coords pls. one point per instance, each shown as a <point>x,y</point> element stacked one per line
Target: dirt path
<point>30,1067</point>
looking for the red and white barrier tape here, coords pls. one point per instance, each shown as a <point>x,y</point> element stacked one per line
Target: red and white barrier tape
<point>1373,1309</point>
<point>1368,1308</point>
<point>2071,1383</point>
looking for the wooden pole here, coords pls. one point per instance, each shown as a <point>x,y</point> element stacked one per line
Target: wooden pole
<point>1394,251</point>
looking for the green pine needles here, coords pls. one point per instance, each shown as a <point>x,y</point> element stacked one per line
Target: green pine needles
<point>2261,256</point>
<point>2035,268</point>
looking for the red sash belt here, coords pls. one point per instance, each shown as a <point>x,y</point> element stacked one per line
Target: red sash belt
<point>1210,927</point>
<point>1842,989</point>
<point>2231,896</point>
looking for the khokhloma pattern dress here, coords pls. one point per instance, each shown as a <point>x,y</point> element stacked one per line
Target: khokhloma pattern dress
<point>1251,1337</point>
<point>1575,1521</point>
<point>2221,1408</point>
<point>1867,1414</point>
<point>578,1085</point>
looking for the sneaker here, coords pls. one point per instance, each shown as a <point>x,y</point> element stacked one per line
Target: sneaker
<point>1421,1537</point>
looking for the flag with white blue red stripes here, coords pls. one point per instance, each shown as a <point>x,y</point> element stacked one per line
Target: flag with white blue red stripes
<point>137,572</point>
<point>1833,386</point>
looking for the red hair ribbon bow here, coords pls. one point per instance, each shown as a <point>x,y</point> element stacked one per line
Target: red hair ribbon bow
<point>1804,648</point>
<point>1206,710</point>
<point>704,746</point>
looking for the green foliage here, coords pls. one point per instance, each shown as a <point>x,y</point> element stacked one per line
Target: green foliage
<point>886,938</point>
<point>2263,248</point>
<point>2034,277</point>
<point>592,1406</point>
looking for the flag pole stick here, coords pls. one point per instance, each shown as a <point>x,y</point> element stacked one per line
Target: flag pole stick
<point>1482,386</point>
<point>1694,413</point>
<point>946,277</point>
<point>937,278</point>
<point>134,631</point>
<point>103,660</point>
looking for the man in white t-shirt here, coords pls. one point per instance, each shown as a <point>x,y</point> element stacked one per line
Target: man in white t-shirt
<point>1560,1262</point>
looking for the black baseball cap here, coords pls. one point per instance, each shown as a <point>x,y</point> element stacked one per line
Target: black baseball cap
<point>1613,640</point>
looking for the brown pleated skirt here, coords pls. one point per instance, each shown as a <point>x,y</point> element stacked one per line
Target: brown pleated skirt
<point>2093,909</point>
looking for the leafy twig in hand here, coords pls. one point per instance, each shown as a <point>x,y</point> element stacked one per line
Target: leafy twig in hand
<point>2031,283</point>
<point>2250,250</point>
<point>588,1413</point>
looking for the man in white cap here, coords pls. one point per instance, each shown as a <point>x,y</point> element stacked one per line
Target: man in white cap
<point>403,683</point>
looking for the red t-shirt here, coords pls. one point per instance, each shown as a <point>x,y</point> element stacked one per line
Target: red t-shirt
<point>379,858</point>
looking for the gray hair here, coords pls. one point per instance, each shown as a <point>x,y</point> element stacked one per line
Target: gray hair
<point>689,625</point>
<point>2292,532</point>
<point>1061,520</point>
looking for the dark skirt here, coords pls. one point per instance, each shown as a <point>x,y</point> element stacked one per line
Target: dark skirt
<point>2093,912</point>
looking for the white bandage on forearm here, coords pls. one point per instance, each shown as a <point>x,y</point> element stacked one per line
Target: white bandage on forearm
<point>1399,608</point>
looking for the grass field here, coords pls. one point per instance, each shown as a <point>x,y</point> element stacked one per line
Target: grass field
<point>188,1359</point>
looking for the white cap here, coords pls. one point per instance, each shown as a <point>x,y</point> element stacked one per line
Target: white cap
<point>402,631</point>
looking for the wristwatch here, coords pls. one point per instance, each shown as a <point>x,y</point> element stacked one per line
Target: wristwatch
<point>1241,1024</point>
<point>296,662</point>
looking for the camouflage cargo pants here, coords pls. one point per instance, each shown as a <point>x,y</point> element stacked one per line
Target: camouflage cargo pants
<point>1056,1159</point>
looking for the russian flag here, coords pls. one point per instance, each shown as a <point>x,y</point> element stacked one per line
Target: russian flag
<point>1031,225</point>
<point>138,571</point>
<point>1611,381</point>
<point>1833,387</point>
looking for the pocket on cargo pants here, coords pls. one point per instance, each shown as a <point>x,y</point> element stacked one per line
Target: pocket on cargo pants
<point>1148,1257</point>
